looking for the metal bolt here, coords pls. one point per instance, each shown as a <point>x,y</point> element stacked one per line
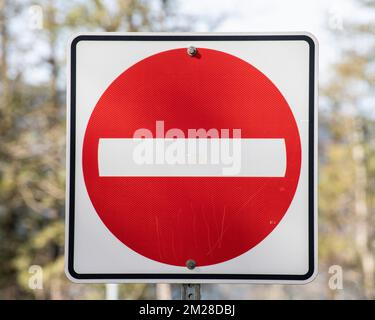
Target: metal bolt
<point>191,264</point>
<point>192,51</point>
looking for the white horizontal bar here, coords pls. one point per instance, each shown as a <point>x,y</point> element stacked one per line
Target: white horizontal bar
<point>191,157</point>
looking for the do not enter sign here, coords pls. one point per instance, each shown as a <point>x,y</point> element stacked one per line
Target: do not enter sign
<point>192,157</point>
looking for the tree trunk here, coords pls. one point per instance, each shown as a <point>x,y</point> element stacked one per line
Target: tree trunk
<point>362,224</point>
<point>52,36</point>
<point>3,57</point>
<point>163,291</point>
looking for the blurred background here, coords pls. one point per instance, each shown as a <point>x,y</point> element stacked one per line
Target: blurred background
<point>33,39</point>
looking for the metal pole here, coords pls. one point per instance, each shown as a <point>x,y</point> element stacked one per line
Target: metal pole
<point>163,291</point>
<point>111,291</point>
<point>191,291</point>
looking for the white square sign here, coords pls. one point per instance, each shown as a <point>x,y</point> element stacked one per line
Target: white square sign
<point>192,158</point>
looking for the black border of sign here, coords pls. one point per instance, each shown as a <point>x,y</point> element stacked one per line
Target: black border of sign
<point>311,187</point>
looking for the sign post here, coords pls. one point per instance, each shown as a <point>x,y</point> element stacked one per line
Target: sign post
<point>192,159</point>
<point>191,291</point>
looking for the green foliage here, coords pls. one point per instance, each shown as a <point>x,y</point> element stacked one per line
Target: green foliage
<point>32,144</point>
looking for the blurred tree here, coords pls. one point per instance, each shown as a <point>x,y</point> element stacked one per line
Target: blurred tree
<point>347,186</point>
<point>32,144</point>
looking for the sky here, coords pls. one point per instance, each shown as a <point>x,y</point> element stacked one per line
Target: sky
<point>326,19</point>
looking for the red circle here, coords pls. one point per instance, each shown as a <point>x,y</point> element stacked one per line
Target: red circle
<point>207,219</point>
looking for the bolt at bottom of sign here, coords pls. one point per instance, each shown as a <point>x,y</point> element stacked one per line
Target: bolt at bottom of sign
<point>191,264</point>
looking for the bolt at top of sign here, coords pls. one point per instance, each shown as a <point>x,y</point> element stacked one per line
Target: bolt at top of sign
<point>192,51</point>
